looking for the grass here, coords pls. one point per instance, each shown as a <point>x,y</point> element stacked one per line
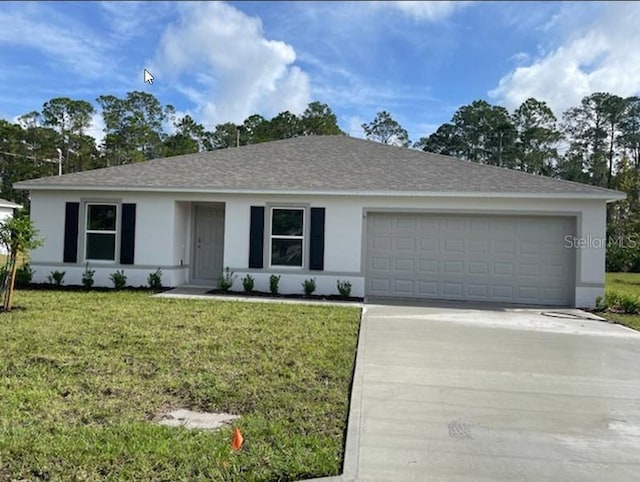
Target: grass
<point>625,284</point>
<point>83,376</point>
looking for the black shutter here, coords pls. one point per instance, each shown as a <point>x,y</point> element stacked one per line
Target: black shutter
<point>128,234</point>
<point>70,253</point>
<point>256,237</point>
<point>316,242</point>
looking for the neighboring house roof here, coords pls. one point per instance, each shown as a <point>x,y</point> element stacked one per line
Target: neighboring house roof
<point>320,164</point>
<point>8,204</point>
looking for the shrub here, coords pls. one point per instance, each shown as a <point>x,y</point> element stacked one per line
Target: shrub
<point>87,277</point>
<point>119,279</point>
<point>344,288</point>
<point>626,303</point>
<point>274,282</point>
<point>600,305</point>
<point>56,278</point>
<point>610,299</point>
<point>155,280</point>
<point>629,303</point>
<point>24,275</point>
<point>225,282</point>
<point>248,283</point>
<point>309,286</point>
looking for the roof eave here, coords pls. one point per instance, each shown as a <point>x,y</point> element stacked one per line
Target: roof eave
<point>608,196</point>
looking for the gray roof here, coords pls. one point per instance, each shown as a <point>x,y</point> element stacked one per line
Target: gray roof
<point>318,164</point>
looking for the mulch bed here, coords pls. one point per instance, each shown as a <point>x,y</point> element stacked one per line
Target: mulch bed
<point>51,287</point>
<point>294,296</point>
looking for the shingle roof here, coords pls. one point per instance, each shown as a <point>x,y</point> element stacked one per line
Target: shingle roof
<point>328,164</point>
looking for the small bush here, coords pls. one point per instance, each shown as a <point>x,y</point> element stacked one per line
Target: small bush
<point>274,284</point>
<point>24,275</point>
<point>622,302</point>
<point>119,279</point>
<point>56,278</point>
<point>247,283</point>
<point>629,304</point>
<point>344,288</point>
<point>154,280</point>
<point>225,282</point>
<point>600,306</point>
<point>309,286</point>
<point>610,300</point>
<point>87,277</point>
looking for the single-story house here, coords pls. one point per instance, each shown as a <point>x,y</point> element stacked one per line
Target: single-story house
<point>392,221</point>
<point>6,211</point>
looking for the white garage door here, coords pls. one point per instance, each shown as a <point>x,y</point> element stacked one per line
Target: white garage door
<point>469,257</point>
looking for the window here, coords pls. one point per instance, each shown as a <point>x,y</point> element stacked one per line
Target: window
<point>287,236</point>
<point>101,232</point>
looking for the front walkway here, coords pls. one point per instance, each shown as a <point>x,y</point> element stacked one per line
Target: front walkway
<point>200,293</point>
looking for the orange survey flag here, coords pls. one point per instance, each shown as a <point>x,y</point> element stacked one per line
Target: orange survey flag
<point>238,439</point>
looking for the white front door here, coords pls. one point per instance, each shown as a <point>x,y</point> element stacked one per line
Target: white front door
<point>209,242</point>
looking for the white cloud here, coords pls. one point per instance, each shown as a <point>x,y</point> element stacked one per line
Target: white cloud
<point>599,58</point>
<point>354,126</point>
<point>59,36</point>
<point>96,128</point>
<point>220,59</point>
<point>432,11</point>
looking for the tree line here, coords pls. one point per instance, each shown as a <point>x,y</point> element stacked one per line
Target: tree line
<point>596,142</point>
<point>137,128</point>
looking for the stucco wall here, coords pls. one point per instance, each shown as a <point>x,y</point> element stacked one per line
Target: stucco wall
<point>163,235</point>
<point>155,242</point>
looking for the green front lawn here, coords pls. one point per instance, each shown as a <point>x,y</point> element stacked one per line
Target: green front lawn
<point>83,376</point>
<point>628,284</point>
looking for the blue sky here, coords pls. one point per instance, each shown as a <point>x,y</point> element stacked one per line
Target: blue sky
<point>222,61</point>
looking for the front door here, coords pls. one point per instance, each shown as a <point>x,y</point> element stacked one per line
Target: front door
<point>209,241</point>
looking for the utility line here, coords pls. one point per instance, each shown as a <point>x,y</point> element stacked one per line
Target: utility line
<point>33,158</point>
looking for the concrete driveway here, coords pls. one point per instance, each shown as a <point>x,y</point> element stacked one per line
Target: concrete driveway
<point>463,392</point>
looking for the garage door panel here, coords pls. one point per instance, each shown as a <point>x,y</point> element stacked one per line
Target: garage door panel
<point>475,267</point>
<point>504,268</point>
<point>528,269</point>
<point>504,247</point>
<point>529,293</point>
<point>495,258</point>
<point>453,267</point>
<point>450,289</point>
<point>427,288</point>
<point>405,244</point>
<point>501,292</point>
<point>404,287</point>
<point>380,264</point>
<point>477,246</point>
<point>379,286</point>
<point>381,242</point>
<point>406,265</point>
<point>526,248</point>
<point>427,266</point>
<point>478,291</point>
<point>454,246</point>
<point>455,225</point>
<point>407,222</point>
<point>429,245</point>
